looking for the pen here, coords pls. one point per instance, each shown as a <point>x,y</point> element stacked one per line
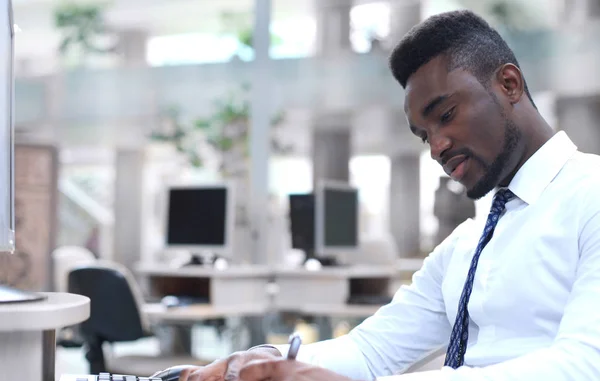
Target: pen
<point>294,342</point>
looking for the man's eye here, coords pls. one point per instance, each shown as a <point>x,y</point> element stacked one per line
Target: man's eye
<point>447,115</point>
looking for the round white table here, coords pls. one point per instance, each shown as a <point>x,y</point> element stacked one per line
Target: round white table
<point>28,334</point>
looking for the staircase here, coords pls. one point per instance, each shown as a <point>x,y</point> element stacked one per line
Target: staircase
<point>85,216</point>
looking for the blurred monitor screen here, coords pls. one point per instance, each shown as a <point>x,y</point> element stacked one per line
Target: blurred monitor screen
<point>302,221</point>
<point>199,217</point>
<point>337,218</point>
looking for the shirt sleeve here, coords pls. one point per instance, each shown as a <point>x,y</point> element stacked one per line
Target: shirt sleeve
<point>340,355</point>
<point>575,352</point>
<point>410,328</point>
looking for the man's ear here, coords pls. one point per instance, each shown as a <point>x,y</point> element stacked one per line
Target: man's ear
<point>511,83</point>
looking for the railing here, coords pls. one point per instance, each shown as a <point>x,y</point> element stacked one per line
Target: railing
<point>80,99</point>
<point>81,217</point>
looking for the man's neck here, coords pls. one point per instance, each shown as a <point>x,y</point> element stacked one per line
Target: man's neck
<point>536,133</point>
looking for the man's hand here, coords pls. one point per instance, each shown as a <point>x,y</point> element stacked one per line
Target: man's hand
<point>228,369</point>
<point>280,369</point>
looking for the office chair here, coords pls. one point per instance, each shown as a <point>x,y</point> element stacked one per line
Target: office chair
<point>116,316</point>
<point>64,259</point>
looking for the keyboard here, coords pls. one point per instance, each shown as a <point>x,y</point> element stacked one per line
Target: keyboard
<point>106,377</point>
<point>14,295</point>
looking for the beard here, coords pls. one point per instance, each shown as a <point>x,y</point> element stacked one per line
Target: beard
<point>493,172</point>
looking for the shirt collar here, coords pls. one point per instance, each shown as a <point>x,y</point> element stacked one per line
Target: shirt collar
<point>541,168</point>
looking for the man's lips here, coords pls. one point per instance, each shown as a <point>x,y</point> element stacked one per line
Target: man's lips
<point>453,164</point>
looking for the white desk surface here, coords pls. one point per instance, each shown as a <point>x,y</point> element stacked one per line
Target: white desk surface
<point>233,271</point>
<point>58,310</point>
<point>409,264</point>
<point>358,270</point>
<point>402,265</point>
<point>195,312</point>
<point>347,310</point>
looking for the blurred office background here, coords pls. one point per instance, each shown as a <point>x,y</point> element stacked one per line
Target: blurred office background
<point>117,99</point>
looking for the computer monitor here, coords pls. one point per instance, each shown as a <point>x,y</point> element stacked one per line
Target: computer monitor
<point>200,219</point>
<point>7,203</point>
<point>324,224</point>
<point>336,218</point>
<point>302,222</point>
<point>7,154</point>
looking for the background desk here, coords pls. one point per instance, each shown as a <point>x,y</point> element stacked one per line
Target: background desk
<point>243,287</point>
<point>329,287</point>
<point>238,291</point>
<point>27,334</point>
<point>157,312</point>
<point>242,291</point>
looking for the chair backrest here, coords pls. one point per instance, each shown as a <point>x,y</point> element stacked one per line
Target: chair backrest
<point>66,258</point>
<point>115,301</point>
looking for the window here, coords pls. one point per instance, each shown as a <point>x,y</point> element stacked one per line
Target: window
<point>281,180</point>
<point>293,38</point>
<point>371,175</point>
<point>368,21</point>
<point>190,48</point>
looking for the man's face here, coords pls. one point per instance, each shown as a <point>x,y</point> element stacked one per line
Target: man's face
<point>464,124</point>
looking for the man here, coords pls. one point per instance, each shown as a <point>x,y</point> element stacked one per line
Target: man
<point>511,298</point>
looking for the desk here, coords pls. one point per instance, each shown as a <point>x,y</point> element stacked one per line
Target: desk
<point>239,290</point>
<point>27,334</point>
<point>408,266</point>
<point>193,313</point>
<point>330,287</point>
<point>345,311</point>
<point>324,293</point>
<point>237,286</point>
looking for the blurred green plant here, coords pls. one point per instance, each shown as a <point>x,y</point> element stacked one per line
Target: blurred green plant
<point>81,25</point>
<point>178,135</point>
<point>509,15</point>
<point>525,27</point>
<point>226,131</point>
<point>239,23</point>
<point>244,36</point>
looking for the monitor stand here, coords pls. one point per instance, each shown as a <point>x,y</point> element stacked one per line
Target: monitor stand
<point>207,259</point>
<point>200,260</point>
<point>325,261</point>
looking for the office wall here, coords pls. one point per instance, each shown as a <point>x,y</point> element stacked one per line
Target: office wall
<point>36,172</point>
<point>579,117</point>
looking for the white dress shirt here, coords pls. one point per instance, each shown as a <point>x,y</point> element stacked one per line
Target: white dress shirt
<point>535,304</point>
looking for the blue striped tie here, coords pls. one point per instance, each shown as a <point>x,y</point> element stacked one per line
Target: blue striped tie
<point>455,355</point>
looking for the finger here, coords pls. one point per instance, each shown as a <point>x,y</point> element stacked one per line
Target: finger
<point>181,377</point>
<point>200,374</point>
<point>259,370</point>
<point>185,374</point>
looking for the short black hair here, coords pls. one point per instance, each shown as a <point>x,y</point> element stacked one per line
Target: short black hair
<point>465,38</point>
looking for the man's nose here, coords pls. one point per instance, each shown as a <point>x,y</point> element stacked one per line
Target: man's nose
<point>439,144</point>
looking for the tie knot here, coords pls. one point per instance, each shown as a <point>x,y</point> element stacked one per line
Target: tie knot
<point>502,197</point>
